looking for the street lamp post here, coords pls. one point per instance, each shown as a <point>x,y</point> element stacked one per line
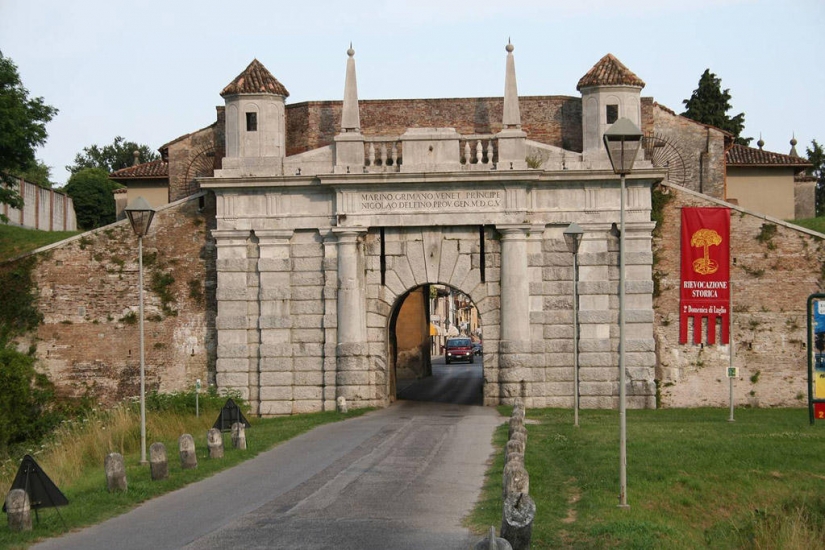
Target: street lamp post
<point>573,237</point>
<point>140,215</point>
<point>622,141</point>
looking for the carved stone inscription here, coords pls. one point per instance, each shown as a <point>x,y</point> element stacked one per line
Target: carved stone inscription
<point>386,201</point>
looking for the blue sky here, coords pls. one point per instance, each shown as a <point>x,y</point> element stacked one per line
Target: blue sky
<point>152,71</point>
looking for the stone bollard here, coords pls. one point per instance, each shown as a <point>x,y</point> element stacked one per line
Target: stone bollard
<point>115,472</point>
<point>214,441</point>
<point>19,510</point>
<point>158,464</point>
<point>517,520</point>
<point>516,424</point>
<point>513,446</point>
<point>342,404</point>
<point>239,435</point>
<point>520,435</point>
<point>492,542</point>
<point>515,479</point>
<point>188,458</point>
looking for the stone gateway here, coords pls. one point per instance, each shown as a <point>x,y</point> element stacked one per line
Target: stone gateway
<point>317,251</point>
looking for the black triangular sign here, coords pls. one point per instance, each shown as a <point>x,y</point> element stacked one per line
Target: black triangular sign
<point>43,493</point>
<point>230,413</point>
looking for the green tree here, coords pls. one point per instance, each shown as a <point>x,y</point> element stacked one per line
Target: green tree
<point>39,174</point>
<point>22,128</point>
<point>709,104</point>
<point>91,191</point>
<point>816,156</point>
<point>115,156</point>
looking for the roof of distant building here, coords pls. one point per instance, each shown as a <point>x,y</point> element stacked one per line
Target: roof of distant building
<point>255,79</point>
<point>739,155</point>
<point>609,71</point>
<point>154,169</point>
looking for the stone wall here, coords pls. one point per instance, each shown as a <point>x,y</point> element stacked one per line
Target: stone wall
<point>44,209</point>
<point>87,290</point>
<point>774,268</point>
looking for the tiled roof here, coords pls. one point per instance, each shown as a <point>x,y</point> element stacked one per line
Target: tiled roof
<point>154,169</point>
<point>739,155</point>
<point>255,80</point>
<point>609,71</point>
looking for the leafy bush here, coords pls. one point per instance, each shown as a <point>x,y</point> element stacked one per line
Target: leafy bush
<point>91,192</point>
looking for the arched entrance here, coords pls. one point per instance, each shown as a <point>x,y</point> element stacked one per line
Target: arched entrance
<point>425,326</point>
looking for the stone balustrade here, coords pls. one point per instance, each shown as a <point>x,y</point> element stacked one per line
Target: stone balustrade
<point>475,152</point>
<point>478,151</point>
<point>382,154</point>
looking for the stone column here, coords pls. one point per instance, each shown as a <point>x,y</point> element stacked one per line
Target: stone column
<point>514,347</point>
<point>352,373</point>
<point>233,362</point>
<point>275,363</point>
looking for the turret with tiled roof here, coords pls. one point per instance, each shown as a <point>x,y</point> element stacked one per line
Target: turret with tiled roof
<point>610,91</point>
<point>255,79</point>
<point>609,71</point>
<point>255,124</point>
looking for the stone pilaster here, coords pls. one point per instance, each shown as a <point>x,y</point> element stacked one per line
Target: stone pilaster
<point>514,347</point>
<point>352,373</point>
<point>275,363</point>
<point>330,267</point>
<point>234,352</point>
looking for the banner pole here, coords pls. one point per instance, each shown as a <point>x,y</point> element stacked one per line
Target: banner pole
<point>730,344</point>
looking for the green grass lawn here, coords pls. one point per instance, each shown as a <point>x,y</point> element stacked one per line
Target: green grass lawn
<point>90,503</point>
<point>816,224</point>
<point>15,241</point>
<point>694,480</point>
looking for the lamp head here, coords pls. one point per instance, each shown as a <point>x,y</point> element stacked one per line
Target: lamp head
<point>573,237</point>
<point>140,215</point>
<point>622,141</point>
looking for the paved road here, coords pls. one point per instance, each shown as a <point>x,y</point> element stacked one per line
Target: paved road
<point>398,478</point>
<point>460,383</point>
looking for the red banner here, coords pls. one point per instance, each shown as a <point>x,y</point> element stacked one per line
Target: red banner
<point>705,274</point>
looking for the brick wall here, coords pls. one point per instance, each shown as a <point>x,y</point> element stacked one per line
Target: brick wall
<point>88,293</point>
<point>554,120</point>
<point>197,154</point>
<point>771,282</point>
<point>700,147</point>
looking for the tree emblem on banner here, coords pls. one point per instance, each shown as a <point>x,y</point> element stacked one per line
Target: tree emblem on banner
<point>705,238</point>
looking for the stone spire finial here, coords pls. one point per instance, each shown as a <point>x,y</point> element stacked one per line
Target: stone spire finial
<point>793,152</point>
<point>136,154</point>
<point>760,143</point>
<point>350,117</point>
<point>512,116</point>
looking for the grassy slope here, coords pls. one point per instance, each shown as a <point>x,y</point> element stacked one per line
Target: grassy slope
<point>694,480</point>
<point>816,224</point>
<point>15,241</point>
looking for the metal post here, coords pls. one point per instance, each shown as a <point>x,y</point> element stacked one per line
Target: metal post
<point>142,364</point>
<point>730,343</point>
<point>622,397</point>
<point>575,341</point>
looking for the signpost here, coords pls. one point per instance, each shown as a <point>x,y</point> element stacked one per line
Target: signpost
<point>816,357</point>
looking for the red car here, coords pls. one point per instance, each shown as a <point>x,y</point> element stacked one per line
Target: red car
<point>459,349</point>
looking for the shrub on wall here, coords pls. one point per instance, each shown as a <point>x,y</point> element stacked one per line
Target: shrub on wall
<point>18,301</point>
<point>25,412</point>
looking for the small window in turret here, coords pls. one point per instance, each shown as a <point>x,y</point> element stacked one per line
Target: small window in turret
<point>612,113</point>
<point>251,122</point>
